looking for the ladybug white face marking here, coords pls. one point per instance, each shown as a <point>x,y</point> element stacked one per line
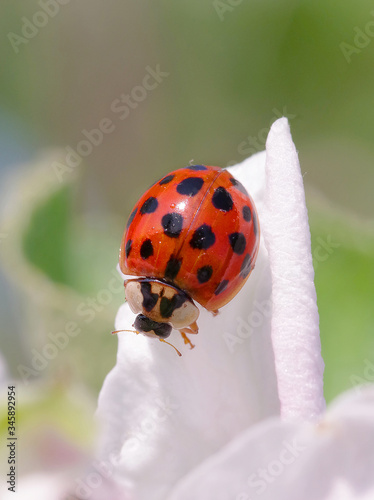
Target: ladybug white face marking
<point>158,303</point>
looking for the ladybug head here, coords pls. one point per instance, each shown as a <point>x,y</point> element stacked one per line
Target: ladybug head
<point>160,307</point>
<point>151,328</point>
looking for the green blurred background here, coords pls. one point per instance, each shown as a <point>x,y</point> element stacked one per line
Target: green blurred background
<point>226,70</point>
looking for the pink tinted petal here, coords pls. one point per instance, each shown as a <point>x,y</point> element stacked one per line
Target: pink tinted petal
<point>330,460</point>
<point>295,321</point>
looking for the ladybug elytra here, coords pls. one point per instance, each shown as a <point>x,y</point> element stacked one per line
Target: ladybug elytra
<point>193,236</point>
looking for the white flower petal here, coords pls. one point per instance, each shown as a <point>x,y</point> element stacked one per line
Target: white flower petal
<point>37,486</point>
<point>330,460</point>
<point>94,485</point>
<point>163,414</point>
<point>295,321</point>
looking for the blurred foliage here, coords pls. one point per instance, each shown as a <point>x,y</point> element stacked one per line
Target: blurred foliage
<point>82,258</point>
<point>64,266</point>
<point>343,251</point>
<point>54,423</point>
<point>72,251</point>
<point>46,240</point>
<point>230,75</point>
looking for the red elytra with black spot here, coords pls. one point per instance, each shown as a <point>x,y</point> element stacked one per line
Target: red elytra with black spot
<point>196,228</point>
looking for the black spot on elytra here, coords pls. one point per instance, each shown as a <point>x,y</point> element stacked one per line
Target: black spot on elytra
<point>128,247</point>
<point>197,167</point>
<point>146,250</point>
<point>166,180</point>
<point>172,268</point>
<point>239,186</point>
<point>221,287</point>
<point>149,206</point>
<point>131,218</point>
<point>149,299</point>
<point>144,324</point>
<point>172,224</point>
<point>247,213</point>
<point>168,306</point>
<point>246,266</point>
<point>222,199</point>
<point>203,237</point>
<point>204,274</point>
<point>238,242</point>
<point>190,186</point>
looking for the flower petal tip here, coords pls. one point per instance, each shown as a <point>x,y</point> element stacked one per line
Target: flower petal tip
<point>295,320</point>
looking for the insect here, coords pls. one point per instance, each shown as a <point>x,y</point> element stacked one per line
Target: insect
<point>192,237</point>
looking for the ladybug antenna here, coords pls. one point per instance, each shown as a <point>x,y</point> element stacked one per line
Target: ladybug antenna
<point>137,333</point>
<point>178,352</point>
<point>119,331</point>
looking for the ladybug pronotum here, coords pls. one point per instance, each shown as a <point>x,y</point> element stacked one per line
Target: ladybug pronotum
<point>193,236</point>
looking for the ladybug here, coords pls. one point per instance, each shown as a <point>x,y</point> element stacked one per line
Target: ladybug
<point>192,237</point>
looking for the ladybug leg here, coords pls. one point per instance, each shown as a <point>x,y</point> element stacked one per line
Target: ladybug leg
<point>185,338</point>
<point>193,328</point>
<point>215,312</point>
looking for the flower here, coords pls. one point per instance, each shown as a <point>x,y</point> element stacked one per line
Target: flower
<point>329,460</point>
<point>198,426</point>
